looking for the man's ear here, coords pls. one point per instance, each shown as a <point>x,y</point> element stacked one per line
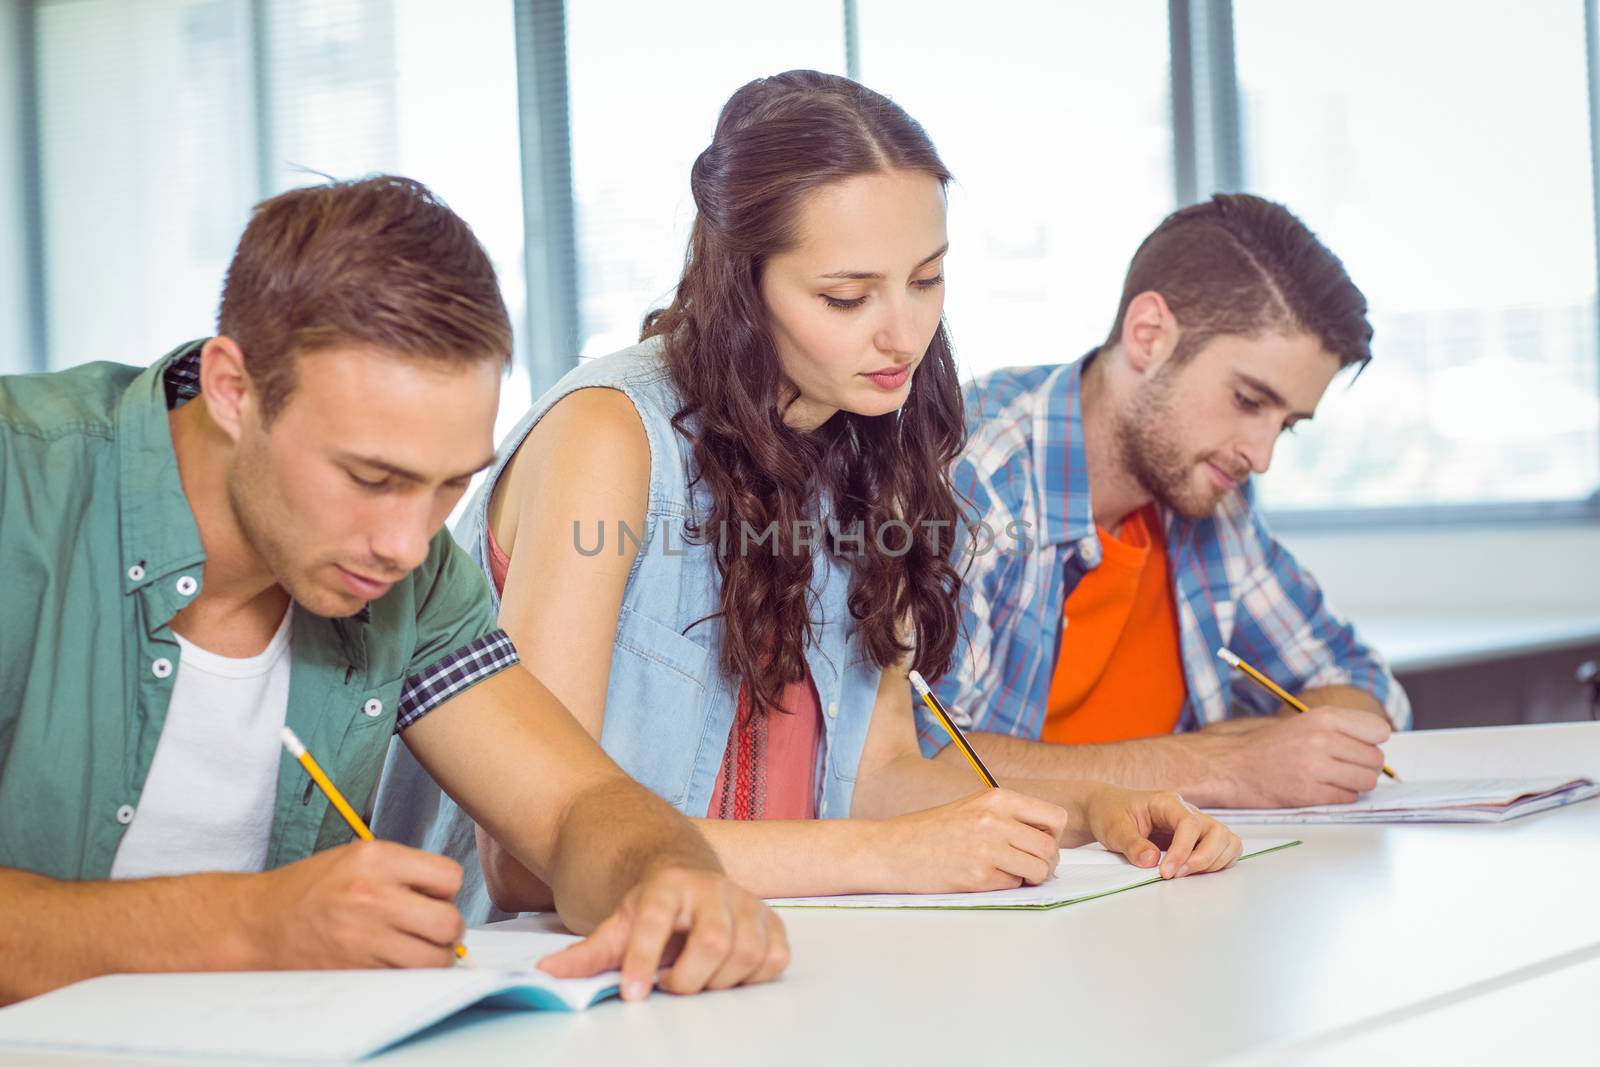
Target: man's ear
<point>1149,332</point>
<point>231,397</point>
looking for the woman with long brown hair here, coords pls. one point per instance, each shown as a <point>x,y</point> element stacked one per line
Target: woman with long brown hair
<point>724,547</point>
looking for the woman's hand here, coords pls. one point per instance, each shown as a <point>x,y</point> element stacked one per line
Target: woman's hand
<point>996,839</point>
<point>1140,824</point>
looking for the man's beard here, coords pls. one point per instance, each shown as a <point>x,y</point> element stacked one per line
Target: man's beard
<point>1155,459</point>
<point>253,514</point>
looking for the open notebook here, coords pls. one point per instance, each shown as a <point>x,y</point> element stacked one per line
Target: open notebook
<point>295,1015</point>
<point>1083,874</point>
<point>1460,800</point>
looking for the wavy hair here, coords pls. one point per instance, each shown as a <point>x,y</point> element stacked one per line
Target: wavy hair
<point>884,480</point>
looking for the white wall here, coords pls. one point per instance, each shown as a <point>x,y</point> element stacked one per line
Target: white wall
<point>14,355</point>
<point>1523,571</point>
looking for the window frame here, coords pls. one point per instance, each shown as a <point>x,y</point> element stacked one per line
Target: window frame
<point>1208,156</point>
<point>1206,100</point>
<point>26,55</point>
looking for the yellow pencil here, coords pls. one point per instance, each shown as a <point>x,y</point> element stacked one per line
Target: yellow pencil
<point>952,729</point>
<point>1276,690</point>
<point>336,798</point>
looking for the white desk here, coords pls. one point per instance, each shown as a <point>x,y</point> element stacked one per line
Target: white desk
<point>1541,1014</point>
<point>1497,751</point>
<point>1351,937</point>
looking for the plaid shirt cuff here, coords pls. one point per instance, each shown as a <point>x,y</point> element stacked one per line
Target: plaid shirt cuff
<point>454,675</point>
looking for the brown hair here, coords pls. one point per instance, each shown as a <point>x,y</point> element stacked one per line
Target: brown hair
<point>777,140</point>
<point>380,261</point>
<point>1238,264</point>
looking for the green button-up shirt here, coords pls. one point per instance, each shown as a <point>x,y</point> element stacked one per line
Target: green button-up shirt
<point>98,552</point>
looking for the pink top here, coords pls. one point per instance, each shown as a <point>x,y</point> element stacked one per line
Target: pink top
<point>771,759</point>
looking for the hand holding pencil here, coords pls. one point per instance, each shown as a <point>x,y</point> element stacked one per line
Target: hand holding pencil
<point>1233,660</point>
<point>366,904</point>
<point>1129,821</point>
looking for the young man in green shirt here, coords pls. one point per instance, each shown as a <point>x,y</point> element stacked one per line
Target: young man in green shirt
<point>248,535</point>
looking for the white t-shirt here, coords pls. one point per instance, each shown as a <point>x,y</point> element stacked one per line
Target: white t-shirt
<point>207,804</point>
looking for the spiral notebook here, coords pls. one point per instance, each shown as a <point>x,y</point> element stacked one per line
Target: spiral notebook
<point>1454,800</point>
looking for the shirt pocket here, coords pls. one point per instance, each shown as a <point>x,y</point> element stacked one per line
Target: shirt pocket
<point>656,702</point>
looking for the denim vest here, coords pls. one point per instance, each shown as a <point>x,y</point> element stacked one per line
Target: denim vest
<point>669,707</point>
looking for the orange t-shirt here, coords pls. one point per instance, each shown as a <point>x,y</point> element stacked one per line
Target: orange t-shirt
<point>1119,672</point>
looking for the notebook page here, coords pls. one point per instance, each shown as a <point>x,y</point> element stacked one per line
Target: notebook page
<point>1083,873</point>
<point>518,952</point>
<point>1407,799</point>
<point>294,1015</point>
<point>513,950</point>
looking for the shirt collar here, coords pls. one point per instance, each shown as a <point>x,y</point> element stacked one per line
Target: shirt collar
<point>159,535</point>
<point>1060,456</point>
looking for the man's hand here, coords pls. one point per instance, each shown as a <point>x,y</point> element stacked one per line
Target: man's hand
<point>1239,724</point>
<point>366,904</point>
<point>1140,824</point>
<point>1328,755</point>
<point>727,937</point>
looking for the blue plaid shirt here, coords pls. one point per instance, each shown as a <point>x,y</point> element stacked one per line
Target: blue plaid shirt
<point>1025,475</point>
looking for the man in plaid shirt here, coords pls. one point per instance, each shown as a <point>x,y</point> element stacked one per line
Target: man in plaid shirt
<point>1116,545</point>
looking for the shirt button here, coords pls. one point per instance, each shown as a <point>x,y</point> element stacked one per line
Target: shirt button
<point>135,573</point>
<point>833,709</point>
<point>161,667</point>
<point>372,708</point>
<point>125,815</point>
<point>187,585</point>
<point>1089,549</point>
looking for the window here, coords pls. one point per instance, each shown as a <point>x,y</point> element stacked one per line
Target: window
<point>1055,120</point>
<point>410,87</point>
<point>647,82</point>
<point>147,167</point>
<point>154,144</point>
<point>15,306</point>
<point>1442,150</point>
<point>1056,180</point>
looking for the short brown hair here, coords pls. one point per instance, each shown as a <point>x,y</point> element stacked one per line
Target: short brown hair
<point>1238,264</point>
<point>380,261</point>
